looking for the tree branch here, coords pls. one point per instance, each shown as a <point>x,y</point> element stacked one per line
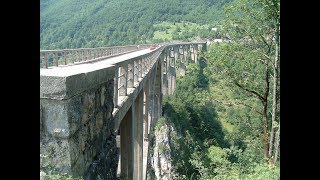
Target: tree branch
<point>238,104</point>
<point>250,91</point>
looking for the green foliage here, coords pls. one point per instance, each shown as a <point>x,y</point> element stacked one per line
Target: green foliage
<point>161,122</point>
<point>195,120</point>
<point>185,31</point>
<point>95,23</point>
<point>213,139</point>
<point>263,171</point>
<point>52,175</point>
<point>246,64</point>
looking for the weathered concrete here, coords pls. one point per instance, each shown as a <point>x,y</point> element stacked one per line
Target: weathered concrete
<point>126,147</point>
<point>76,132</point>
<point>138,136</point>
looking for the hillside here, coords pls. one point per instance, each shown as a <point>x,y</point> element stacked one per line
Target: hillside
<point>94,23</point>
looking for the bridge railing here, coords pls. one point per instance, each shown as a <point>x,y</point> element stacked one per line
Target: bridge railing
<point>130,72</point>
<point>49,58</point>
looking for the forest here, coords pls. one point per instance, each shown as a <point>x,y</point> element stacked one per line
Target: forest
<point>97,23</point>
<point>226,109</point>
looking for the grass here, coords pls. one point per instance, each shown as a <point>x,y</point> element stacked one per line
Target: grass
<point>165,30</point>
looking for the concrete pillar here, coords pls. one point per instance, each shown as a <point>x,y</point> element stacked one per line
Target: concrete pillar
<point>146,100</point>
<point>192,53</point>
<point>181,71</point>
<point>171,72</point>
<point>123,79</point>
<point>138,136</point>
<point>116,87</point>
<point>174,68</point>
<point>195,49</point>
<point>126,146</point>
<point>164,64</point>
<point>187,54</point>
<point>151,97</point>
<point>181,54</point>
<point>176,57</point>
<point>144,66</point>
<point>140,69</point>
<point>136,71</point>
<point>157,94</point>
<point>169,62</point>
<point>130,83</point>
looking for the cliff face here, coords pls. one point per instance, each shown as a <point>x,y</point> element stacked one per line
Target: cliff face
<point>160,164</point>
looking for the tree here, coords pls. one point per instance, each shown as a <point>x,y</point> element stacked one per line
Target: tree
<point>247,62</point>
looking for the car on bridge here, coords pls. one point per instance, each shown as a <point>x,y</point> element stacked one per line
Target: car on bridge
<point>155,46</point>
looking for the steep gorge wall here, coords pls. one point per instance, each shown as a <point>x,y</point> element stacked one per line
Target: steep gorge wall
<point>160,164</point>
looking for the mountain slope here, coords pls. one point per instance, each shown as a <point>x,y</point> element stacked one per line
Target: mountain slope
<point>93,23</point>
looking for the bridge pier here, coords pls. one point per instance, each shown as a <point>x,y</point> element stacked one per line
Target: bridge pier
<point>164,63</point>
<point>192,54</point>
<point>195,52</point>
<point>182,67</point>
<point>126,145</point>
<point>157,93</point>
<point>138,135</point>
<point>172,71</point>
<point>146,109</point>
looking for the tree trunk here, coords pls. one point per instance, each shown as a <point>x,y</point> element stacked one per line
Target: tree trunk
<point>265,130</point>
<point>277,145</point>
<point>264,115</point>
<point>275,94</point>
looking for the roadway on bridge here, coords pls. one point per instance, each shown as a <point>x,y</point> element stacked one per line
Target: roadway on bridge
<point>85,67</point>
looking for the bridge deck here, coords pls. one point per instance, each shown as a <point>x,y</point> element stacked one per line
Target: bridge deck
<point>84,67</point>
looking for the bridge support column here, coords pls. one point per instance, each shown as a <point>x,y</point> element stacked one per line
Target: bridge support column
<point>123,80</point>
<point>172,72</point>
<point>151,96</point>
<point>157,94</point>
<point>138,136</point>
<point>146,109</point>
<point>188,54</point>
<point>192,53</point>
<point>130,83</point>
<point>116,87</point>
<point>164,63</point>
<point>195,52</point>
<point>126,146</point>
<point>182,67</point>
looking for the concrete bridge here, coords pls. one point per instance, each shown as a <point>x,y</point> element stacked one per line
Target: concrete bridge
<point>89,97</point>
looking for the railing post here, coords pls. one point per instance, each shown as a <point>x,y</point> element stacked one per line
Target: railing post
<point>56,58</point>
<point>65,57</point>
<point>136,71</point>
<point>116,87</point>
<point>140,68</point>
<point>130,75</point>
<point>123,79</point>
<point>144,65</point>
<point>46,59</point>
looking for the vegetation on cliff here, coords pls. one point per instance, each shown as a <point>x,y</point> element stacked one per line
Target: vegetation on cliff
<point>226,110</point>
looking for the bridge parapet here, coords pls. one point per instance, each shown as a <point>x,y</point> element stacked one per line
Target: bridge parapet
<point>49,58</point>
<point>130,72</point>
